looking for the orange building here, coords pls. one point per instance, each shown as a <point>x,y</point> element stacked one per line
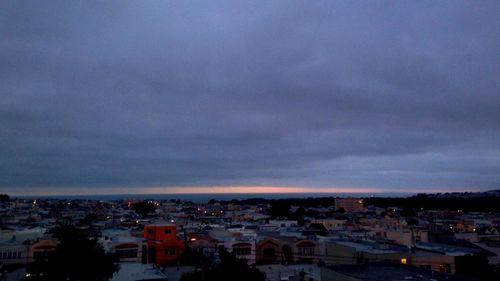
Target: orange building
<point>162,245</point>
<point>41,249</point>
<point>349,204</point>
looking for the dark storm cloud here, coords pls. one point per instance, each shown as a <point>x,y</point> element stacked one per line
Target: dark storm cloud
<point>387,94</point>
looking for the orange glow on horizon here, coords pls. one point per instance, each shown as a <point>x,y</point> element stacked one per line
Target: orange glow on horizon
<point>258,189</point>
<point>70,191</point>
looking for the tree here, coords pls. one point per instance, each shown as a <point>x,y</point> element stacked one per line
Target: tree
<point>76,258</point>
<point>408,212</point>
<point>299,216</point>
<point>475,266</point>
<point>4,198</point>
<point>229,269</point>
<point>317,228</point>
<point>88,219</point>
<point>144,208</point>
<point>280,209</point>
<point>411,221</point>
<point>341,210</point>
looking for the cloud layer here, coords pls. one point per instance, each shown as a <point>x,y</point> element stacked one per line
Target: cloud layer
<point>393,95</point>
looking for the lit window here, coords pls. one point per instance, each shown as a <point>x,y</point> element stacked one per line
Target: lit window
<point>404,261</point>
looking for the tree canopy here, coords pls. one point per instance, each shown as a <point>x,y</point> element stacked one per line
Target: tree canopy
<point>76,258</point>
<point>229,269</point>
<point>144,208</point>
<point>280,209</point>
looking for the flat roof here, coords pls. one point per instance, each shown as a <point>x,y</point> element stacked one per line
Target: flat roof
<point>371,247</point>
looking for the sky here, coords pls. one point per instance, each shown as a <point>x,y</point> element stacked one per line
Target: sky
<point>249,96</point>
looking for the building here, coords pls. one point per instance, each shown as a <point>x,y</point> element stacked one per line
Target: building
<point>161,244</point>
<point>386,272</point>
<point>41,249</point>
<point>13,253</point>
<point>408,236</point>
<point>278,272</point>
<point>243,249</point>
<point>331,223</point>
<point>269,251</point>
<point>361,252</point>
<point>202,245</point>
<point>123,245</point>
<point>432,256</point>
<point>306,251</point>
<point>349,204</point>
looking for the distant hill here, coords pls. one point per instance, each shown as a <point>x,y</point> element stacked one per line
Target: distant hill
<point>486,201</point>
<point>495,192</point>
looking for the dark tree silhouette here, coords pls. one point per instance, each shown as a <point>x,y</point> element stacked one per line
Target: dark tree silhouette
<point>280,209</point>
<point>4,198</point>
<point>341,210</point>
<point>475,266</point>
<point>481,202</point>
<point>88,219</point>
<point>299,216</point>
<point>408,212</point>
<point>427,202</point>
<point>229,269</point>
<point>76,258</point>
<point>144,208</point>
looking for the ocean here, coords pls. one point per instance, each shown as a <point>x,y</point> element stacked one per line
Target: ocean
<point>205,197</point>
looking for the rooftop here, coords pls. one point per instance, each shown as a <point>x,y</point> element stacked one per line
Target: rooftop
<point>393,272</point>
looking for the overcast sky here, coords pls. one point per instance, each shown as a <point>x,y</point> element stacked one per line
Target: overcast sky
<point>398,95</point>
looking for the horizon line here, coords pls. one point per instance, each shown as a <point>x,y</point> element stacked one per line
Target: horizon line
<point>95,191</point>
